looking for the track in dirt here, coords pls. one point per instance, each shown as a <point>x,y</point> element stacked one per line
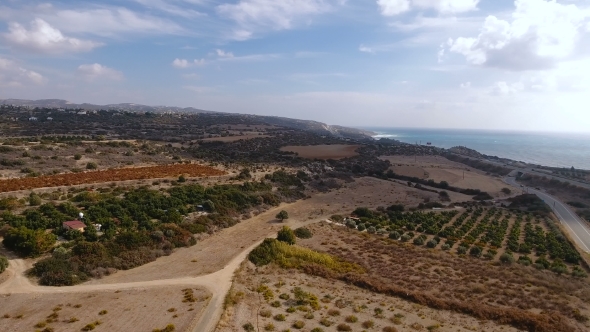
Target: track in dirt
<point>119,174</point>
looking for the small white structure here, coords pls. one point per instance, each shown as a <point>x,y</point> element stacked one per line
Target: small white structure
<point>49,118</point>
<point>32,118</point>
<point>97,227</point>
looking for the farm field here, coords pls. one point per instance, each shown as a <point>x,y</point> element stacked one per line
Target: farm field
<point>139,309</point>
<point>120,174</point>
<point>493,234</point>
<point>439,169</point>
<point>516,294</point>
<point>332,151</point>
<point>339,304</point>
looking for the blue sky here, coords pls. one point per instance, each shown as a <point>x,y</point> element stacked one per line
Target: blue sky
<point>489,64</point>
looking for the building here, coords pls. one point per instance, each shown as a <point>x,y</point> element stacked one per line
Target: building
<point>74,225</point>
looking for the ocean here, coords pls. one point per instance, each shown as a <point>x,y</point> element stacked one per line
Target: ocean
<point>547,149</point>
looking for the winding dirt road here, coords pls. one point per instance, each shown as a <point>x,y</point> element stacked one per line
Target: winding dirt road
<point>218,283</point>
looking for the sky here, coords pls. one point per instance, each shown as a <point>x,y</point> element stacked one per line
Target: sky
<point>477,64</point>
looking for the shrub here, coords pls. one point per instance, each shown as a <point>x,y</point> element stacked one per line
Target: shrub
<point>298,324</point>
<point>351,319</point>
<point>91,166</point>
<point>507,258</point>
<point>3,263</point>
<point>291,310</point>
<point>475,251</point>
<point>286,235</point>
<point>462,250</point>
<point>389,329</point>
<point>578,272</point>
<point>282,215</point>
<point>269,327</point>
<point>431,243</point>
<point>29,242</point>
<point>394,235</point>
<point>265,313</point>
<point>326,322</point>
<point>361,227</point>
<point>317,329</point>
<point>276,304</point>
<point>490,254</point>
<point>343,327</point>
<point>279,317</point>
<point>334,312</point>
<point>103,312</point>
<point>419,241</point>
<point>303,233</point>
<point>284,296</point>
<point>445,246</point>
<point>405,238</point>
<point>371,230</point>
<point>248,327</point>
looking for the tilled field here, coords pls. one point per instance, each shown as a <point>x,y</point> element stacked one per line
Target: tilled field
<point>119,174</point>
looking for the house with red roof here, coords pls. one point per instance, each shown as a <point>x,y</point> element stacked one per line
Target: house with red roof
<point>74,225</point>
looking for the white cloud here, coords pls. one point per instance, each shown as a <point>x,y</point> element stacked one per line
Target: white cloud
<point>199,89</point>
<point>465,85</point>
<point>366,49</point>
<point>224,54</point>
<point>261,15</point>
<point>13,75</point>
<point>183,63</point>
<point>96,71</point>
<point>111,22</point>
<point>42,37</point>
<point>540,35</point>
<point>393,7</point>
<point>503,88</point>
<point>167,7</point>
<point>396,7</point>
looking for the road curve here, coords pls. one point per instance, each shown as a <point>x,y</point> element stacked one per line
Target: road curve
<point>579,229</point>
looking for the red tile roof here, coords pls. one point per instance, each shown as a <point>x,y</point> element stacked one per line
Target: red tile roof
<point>74,224</point>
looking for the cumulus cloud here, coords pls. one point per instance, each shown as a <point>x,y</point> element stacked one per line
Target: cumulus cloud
<point>396,7</point>
<point>503,88</point>
<point>224,54</point>
<point>183,63</point>
<point>42,37</point>
<point>539,36</point>
<point>97,71</point>
<point>260,15</point>
<point>13,75</point>
<point>366,49</point>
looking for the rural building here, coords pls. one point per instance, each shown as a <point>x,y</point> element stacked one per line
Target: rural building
<point>74,225</point>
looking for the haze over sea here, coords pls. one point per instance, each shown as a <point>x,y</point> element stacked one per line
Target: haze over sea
<point>547,149</point>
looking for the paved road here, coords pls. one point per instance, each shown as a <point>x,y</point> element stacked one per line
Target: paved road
<point>579,229</point>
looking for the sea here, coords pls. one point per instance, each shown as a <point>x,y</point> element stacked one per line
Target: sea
<point>547,149</point>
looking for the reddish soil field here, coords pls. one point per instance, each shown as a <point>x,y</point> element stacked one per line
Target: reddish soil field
<point>119,174</point>
<point>334,151</point>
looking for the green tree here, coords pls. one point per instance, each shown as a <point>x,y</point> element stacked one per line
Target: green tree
<point>34,199</point>
<point>3,263</point>
<point>286,235</point>
<point>29,242</point>
<point>282,215</point>
<point>91,166</point>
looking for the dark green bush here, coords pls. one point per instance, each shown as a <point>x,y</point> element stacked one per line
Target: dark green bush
<point>303,233</point>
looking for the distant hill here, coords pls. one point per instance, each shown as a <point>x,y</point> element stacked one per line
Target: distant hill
<point>307,125</point>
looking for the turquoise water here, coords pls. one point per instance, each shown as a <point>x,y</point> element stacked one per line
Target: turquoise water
<point>548,149</point>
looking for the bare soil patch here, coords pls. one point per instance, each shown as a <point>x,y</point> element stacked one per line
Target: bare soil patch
<point>333,151</point>
<point>440,169</point>
<point>127,310</point>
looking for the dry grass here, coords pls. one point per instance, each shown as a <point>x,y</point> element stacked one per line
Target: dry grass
<point>444,280</point>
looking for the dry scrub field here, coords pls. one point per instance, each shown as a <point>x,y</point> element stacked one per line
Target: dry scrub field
<point>127,310</point>
<point>339,304</point>
<point>439,169</point>
<point>109,175</point>
<point>234,138</point>
<point>334,151</point>
<point>212,253</point>
<point>440,279</point>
